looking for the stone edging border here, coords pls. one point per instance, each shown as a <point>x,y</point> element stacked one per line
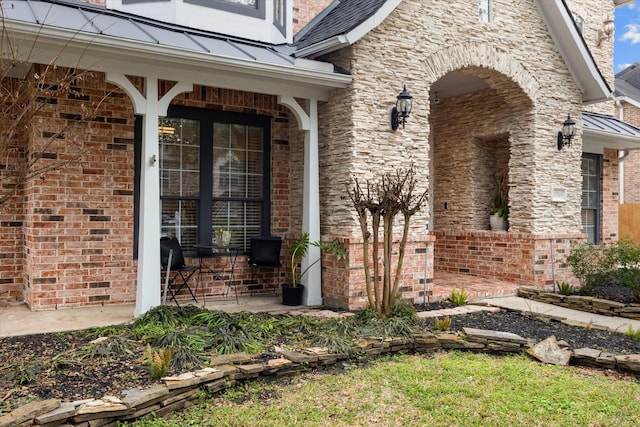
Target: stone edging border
<point>178,392</point>
<point>583,303</point>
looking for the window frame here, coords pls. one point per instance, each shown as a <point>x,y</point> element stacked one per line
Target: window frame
<point>596,209</point>
<point>258,12</point>
<point>282,27</point>
<point>205,195</point>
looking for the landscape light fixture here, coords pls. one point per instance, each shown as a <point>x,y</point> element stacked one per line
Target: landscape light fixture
<point>402,109</point>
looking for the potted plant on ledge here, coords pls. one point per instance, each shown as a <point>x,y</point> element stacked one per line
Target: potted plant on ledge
<point>499,212</point>
<point>292,293</point>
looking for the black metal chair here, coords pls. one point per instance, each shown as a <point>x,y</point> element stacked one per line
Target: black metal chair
<point>177,272</point>
<point>265,254</point>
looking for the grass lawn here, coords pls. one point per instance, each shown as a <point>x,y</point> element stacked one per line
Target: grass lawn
<point>444,389</point>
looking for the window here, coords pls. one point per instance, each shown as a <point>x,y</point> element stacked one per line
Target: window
<point>214,174</point>
<point>254,8</point>
<point>279,15</point>
<point>484,11</point>
<point>590,196</point>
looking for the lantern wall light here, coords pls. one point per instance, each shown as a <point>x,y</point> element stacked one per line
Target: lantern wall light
<point>567,133</point>
<point>402,109</point>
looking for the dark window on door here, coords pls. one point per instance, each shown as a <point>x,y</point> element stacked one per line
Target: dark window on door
<point>214,175</point>
<point>591,196</point>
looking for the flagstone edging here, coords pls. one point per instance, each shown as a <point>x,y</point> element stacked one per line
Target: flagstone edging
<point>583,303</point>
<point>178,392</point>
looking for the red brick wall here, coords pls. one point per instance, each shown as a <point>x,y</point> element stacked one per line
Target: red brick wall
<point>631,114</point>
<point>305,10</point>
<point>78,224</point>
<point>11,209</point>
<point>610,196</point>
<point>79,217</point>
<point>516,257</point>
<point>344,283</point>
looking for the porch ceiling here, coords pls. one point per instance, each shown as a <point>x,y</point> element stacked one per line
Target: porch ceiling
<point>82,35</point>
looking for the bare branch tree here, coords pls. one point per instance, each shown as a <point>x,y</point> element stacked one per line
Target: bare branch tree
<point>27,91</point>
<point>394,194</point>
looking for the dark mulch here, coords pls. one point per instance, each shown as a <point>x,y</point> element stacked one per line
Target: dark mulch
<point>59,373</point>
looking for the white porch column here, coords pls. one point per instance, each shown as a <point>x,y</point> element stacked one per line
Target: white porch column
<point>311,208</point>
<point>148,289</point>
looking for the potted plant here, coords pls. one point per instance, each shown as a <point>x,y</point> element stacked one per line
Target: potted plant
<point>499,212</point>
<point>292,293</point>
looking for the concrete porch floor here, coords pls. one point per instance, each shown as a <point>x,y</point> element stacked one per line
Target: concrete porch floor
<point>17,319</point>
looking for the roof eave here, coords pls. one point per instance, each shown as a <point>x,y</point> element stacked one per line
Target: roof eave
<point>573,50</point>
<point>595,141</point>
<point>337,42</point>
<point>305,72</point>
<point>628,100</point>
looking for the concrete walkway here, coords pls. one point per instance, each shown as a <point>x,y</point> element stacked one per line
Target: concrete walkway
<point>19,320</point>
<point>575,317</point>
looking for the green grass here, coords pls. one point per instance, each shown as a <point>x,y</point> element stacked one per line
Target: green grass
<point>445,389</point>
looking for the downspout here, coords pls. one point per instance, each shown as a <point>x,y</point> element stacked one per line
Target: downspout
<point>622,155</point>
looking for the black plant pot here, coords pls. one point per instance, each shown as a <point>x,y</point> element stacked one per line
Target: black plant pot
<point>292,295</point>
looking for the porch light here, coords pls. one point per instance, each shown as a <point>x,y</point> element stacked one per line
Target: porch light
<point>568,132</point>
<point>402,109</point>
<point>606,31</point>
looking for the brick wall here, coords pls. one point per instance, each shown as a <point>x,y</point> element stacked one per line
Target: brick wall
<point>305,10</point>
<point>520,258</point>
<point>610,200</point>
<point>631,114</point>
<point>78,223</point>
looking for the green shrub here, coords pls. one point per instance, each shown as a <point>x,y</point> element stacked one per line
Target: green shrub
<point>566,289</point>
<point>159,361</point>
<point>459,297</point>
<point>633,333</point>
<point>617,263</point>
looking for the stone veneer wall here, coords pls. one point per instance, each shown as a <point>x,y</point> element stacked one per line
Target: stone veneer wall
<point>522,258</point>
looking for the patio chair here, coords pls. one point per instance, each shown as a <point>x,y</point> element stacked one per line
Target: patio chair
<point>265,254</point>
<point>177,272</point>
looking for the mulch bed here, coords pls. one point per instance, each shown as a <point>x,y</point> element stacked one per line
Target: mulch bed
<point>58,375</point>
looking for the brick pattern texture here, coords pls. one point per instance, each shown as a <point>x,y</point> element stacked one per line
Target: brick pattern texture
<point>631,114</point>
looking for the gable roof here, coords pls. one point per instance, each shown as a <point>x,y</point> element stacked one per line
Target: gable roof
<point>342,23</point>
<point>628,82</point>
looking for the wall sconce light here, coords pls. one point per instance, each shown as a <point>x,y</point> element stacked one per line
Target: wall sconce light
<point>606,31</point>
<point>568,132</point>
<point>402,109</point>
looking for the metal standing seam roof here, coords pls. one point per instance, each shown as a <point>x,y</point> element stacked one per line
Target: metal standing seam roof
<point>93,19</point>
<point>609,125</point>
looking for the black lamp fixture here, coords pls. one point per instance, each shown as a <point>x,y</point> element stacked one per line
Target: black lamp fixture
<point>402,109</point>
<point>568,132</point>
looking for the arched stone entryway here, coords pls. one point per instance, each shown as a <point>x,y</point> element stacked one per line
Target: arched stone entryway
<point>482,121</point>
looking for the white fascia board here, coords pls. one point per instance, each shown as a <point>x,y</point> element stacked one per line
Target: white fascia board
<point>91,51</point>
<point>352,36</point>
<point>574,52</point>
<point>594,141</point>
<point>628,100</point>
